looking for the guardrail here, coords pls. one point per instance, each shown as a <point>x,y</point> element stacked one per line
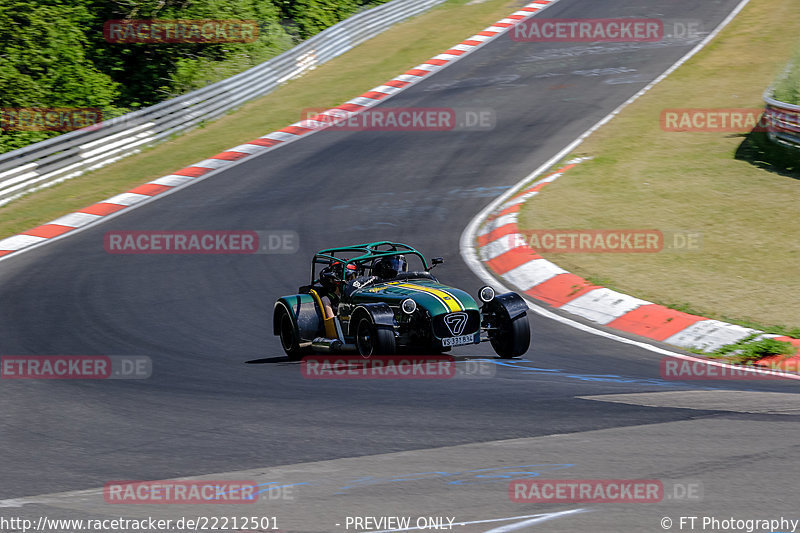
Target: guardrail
<point>783,120</point>
<point>69,155</point>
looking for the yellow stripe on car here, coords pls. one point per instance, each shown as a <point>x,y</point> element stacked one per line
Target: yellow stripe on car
<point>446,298</point>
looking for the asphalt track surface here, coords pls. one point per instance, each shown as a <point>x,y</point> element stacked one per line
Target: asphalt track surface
<point>223,398</point>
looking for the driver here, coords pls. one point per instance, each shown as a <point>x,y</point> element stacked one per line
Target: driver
<point>332,278</point>
<point>389,267</point>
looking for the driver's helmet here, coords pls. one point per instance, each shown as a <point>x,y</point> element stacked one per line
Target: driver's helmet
<point>332,275</point>
<point>389,267</point>
<point>328,278</point>
<point>351,272</point>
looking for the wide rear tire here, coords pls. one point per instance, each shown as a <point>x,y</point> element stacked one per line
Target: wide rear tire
<point>289,340</point>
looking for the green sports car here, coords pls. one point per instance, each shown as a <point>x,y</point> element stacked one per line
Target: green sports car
<point>364,299</point>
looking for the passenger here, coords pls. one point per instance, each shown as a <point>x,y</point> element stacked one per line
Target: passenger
<point>388,268</point>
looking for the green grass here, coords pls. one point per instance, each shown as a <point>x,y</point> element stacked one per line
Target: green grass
<point>737,189</point>
<point>339,80</point>
<point>787,88</point>
<point>749,350</point>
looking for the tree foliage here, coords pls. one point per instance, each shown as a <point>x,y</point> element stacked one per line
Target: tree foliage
<point>310,17</point>
<point>44,63</point>
<point>53,53</point>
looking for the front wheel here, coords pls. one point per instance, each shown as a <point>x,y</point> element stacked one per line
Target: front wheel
<point>512,338</point>
<point>372,340</point>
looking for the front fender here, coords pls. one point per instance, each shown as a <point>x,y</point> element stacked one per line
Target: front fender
<point>381,314</point>
<point>510,304</point>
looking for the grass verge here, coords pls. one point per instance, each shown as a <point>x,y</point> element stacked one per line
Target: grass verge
<point>749,350</point>
<point>338,80</point>
<point>721,184</point>
<point>787,88</point>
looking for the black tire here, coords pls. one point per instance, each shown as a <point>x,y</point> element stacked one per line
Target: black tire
<point>372,340</point>
<point>512,337</point>
<point>289,340</point>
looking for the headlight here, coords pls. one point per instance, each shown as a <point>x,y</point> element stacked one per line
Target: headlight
<point>486,294</point>
<point>408,306</point>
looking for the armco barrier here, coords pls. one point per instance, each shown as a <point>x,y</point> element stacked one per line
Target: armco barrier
<point>54,160</point>
<point>784,121</point>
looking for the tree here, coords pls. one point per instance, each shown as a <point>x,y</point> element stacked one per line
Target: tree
<point>43,62</point>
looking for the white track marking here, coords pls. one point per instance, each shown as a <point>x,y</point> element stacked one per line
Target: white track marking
<point>530,520</point>
<point>533,521</point>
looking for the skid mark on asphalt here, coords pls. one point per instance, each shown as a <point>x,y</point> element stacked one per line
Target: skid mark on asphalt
<point>467,477</point>
<point>614,48</point>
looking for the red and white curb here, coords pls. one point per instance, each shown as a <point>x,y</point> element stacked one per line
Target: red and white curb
<point>100,211</point>
<point>506,253</point>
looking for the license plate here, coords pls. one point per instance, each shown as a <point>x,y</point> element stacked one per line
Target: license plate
<point>458,341</point>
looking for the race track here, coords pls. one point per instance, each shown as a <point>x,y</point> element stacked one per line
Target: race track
<point>223,398</point>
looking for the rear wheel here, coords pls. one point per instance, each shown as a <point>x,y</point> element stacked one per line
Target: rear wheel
<point>289,340</point>
<point>372,340</point>
<point>512,338</point>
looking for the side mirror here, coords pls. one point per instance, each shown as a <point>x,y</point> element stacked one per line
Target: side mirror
<point>436,261</point>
